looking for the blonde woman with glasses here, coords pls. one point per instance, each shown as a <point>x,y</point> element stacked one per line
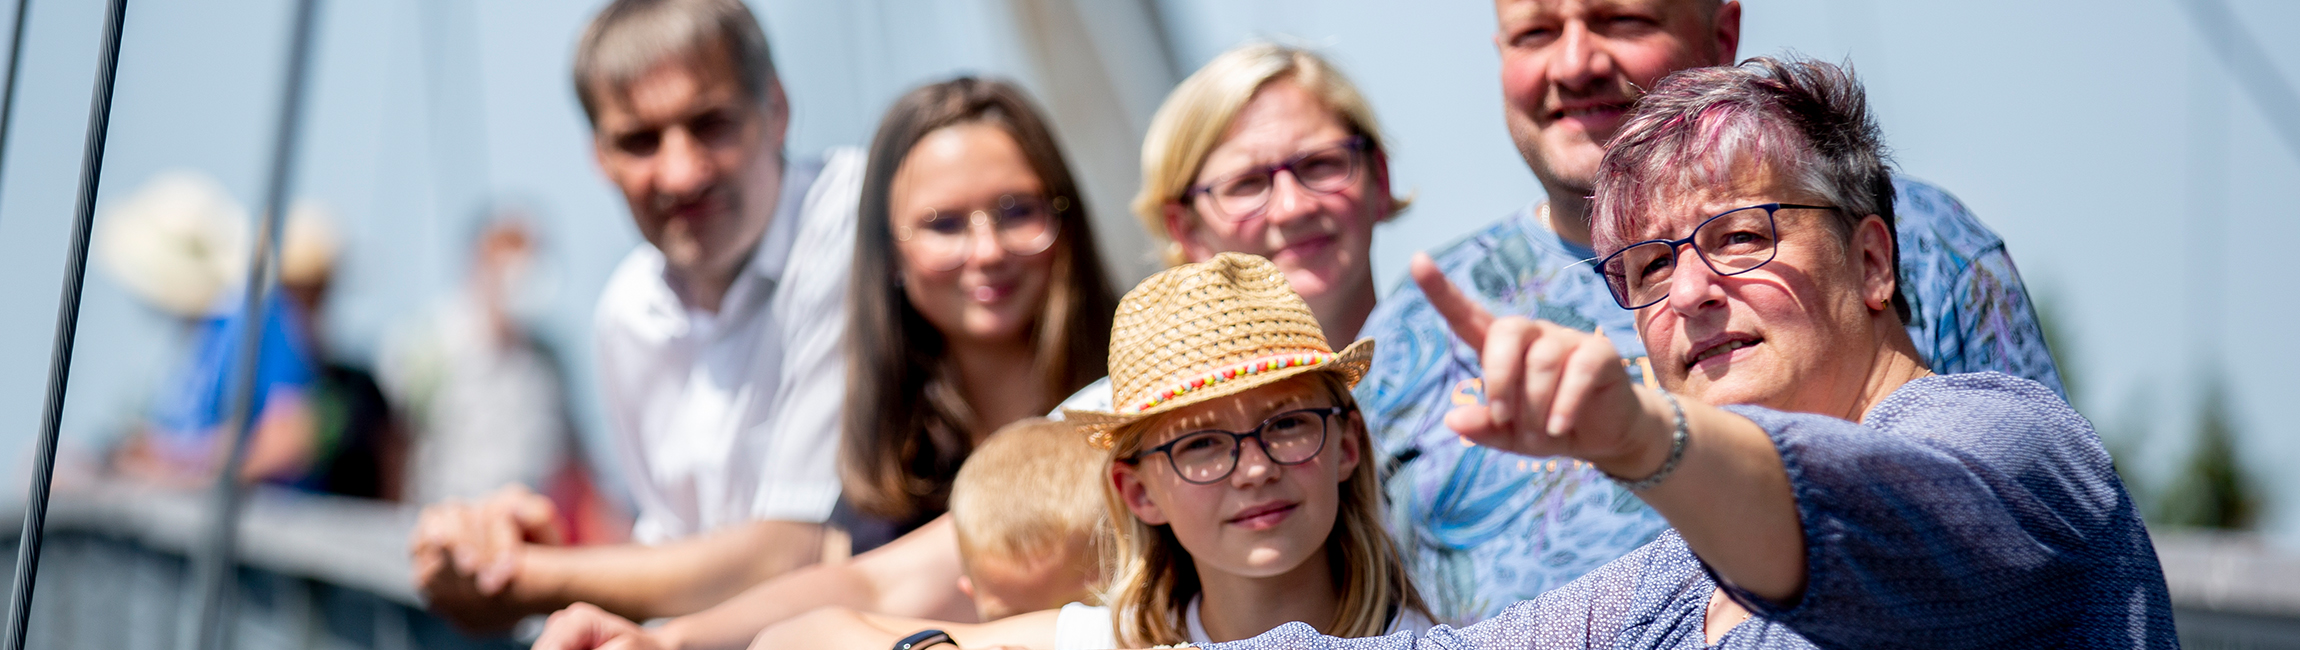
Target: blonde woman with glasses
<point>1269,150</point>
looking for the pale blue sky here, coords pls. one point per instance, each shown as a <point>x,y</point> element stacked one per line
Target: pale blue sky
<point>2140,190</point>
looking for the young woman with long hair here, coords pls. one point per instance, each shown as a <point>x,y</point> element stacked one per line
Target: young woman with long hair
<point>977,299</point>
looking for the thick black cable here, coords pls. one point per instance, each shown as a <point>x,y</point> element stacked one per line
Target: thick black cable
<point>218,563</point>
<point>67,324</point>
<point>8,84</point>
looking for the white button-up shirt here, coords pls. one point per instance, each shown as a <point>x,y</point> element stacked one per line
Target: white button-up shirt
<point>733,417</point>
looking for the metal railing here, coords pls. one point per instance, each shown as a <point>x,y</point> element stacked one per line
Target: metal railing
<point>313,571</point>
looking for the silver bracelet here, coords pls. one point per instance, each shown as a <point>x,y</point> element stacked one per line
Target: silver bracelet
<point>1676,451</point>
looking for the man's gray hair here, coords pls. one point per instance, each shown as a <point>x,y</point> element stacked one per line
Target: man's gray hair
<point>1806,121</point>
<point>630,36</point>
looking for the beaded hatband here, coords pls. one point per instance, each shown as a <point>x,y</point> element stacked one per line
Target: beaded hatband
<point>1247,369</point>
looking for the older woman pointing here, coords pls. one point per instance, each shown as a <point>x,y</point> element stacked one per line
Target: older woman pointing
<point>1851,498</point>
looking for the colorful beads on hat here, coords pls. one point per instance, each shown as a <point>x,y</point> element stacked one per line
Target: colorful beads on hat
<point>1247,369</point>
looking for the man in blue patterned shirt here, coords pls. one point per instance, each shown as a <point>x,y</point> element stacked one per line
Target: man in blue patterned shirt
<point>1485,528</point>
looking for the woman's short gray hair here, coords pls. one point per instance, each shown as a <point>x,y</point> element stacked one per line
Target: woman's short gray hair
<point>1804,120</point>
<point>630,36</point>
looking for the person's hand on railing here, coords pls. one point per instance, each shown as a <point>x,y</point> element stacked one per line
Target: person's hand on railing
<point>466,556</point>
<point>585,627</point>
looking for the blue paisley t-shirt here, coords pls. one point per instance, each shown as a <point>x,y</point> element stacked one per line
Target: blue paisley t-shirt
<point>1483,528</point>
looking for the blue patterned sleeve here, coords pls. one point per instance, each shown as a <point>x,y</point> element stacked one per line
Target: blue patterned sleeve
<point>1970,311</point>
<point>1999,324</point>
<point>1969,511</point>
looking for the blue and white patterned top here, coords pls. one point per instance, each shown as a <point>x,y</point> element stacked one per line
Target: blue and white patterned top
<point>1966,511</point>
<point>1483,528</point>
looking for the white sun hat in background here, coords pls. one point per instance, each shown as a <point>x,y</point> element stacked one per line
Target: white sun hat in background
<point>179,242</point>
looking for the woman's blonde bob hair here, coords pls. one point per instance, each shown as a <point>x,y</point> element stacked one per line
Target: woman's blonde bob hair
<point>1153,577</point>
<point>1199,112</point>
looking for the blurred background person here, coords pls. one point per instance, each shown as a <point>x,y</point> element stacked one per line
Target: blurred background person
<point>358,448</point>
<point>484,396</point>
<point>979,300</point>
<point>320,423</point>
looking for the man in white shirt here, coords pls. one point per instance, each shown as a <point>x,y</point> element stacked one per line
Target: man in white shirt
<point>719,342</point>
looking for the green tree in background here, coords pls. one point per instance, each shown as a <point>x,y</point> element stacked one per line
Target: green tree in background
<point>2212,490</point>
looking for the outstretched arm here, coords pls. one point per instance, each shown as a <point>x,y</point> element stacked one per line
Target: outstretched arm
<point>485,565</point>
<point>671,579</point>
<point>915,576</point>
<point>1556,391</point>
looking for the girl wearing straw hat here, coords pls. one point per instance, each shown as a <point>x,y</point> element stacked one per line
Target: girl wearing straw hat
<point>1225,538</point>
<point>1240,487</point>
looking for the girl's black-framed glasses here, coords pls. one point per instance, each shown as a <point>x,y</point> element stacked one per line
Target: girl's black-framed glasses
<point>1207,456</point>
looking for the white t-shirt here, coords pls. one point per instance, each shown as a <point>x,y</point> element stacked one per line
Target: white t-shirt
<point>733,417</point>
<point>1080,626</point>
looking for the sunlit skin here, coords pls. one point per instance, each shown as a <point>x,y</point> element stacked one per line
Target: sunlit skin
<point>1320,241</point>
<point>1789,317</point>
<point>995,296</point>
<point>1261,532</point>
<point>698,162</point>
<point>1003,587</point>
<point>1571,68</point>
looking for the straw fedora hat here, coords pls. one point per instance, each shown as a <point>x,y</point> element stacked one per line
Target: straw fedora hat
<point>1200,331</point>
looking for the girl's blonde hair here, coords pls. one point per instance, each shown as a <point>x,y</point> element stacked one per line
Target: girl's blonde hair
<point>1153,577</point>
<point>1195,116</point>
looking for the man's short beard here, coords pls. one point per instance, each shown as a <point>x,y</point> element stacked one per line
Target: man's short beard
<point>1529,148</point>
<point>1528,137</point>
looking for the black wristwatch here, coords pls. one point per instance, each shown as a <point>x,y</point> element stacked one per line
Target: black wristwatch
<point>924,639</point>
